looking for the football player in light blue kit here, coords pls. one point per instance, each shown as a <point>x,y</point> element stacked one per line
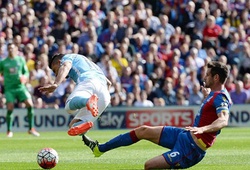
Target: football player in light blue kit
<point>91,94</point>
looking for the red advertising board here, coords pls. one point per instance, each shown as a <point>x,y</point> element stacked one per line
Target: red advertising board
<point>176,117</point>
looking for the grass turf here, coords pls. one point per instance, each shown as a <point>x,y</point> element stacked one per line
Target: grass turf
<point>230,151</point>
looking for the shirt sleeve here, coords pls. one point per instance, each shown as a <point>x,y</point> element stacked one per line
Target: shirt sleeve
<point>221,103</point>
<point>66,58</point>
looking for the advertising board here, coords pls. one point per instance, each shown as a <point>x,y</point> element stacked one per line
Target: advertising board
<point>121,118</point>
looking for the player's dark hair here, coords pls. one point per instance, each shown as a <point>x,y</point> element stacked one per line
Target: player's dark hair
<point>54,58</point>
<point>219,68</point>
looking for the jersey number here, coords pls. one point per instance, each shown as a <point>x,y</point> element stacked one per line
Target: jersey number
<point>174,154</point>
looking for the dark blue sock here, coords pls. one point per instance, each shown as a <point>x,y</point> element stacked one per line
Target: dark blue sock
<point>118,141</point>
<point>77,103</point>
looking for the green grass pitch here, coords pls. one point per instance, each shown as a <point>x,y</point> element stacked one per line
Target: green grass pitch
<point>231,151</point>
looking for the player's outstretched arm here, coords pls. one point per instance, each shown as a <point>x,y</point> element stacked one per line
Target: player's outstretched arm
<point>218,124</point>
<point>63,71</point>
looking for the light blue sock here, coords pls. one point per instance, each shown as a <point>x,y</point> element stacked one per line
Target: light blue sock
<point>77,103</point>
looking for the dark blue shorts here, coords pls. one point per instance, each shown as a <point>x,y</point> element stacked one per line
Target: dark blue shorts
<point>184,152</point>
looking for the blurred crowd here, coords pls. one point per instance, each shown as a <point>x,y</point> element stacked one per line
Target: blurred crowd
<point>154,52</point>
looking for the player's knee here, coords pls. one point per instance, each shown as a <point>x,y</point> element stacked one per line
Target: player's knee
<point>148,165</point>
<point>10,106</point>
<point>143,128</point>
<point>68,109</point>
<point>141,131</point>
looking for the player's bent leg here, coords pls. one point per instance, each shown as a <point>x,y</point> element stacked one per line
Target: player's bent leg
<point>68,110</point>
<point>73,121</point>
<point>80,128</point>
<point>77,102</point>
<point>149,133</point>
<point>71,111</point>
<point>92,105</point>
<point>157,162</point>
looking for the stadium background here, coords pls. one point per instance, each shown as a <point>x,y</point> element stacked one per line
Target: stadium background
<point>154,53</point>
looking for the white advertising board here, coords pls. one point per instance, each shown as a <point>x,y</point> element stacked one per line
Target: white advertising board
<point>58,120</point>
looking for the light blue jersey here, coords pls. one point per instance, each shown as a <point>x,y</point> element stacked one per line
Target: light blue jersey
<point>83,69</point>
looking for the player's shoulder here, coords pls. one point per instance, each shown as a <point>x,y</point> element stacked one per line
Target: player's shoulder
<point>2,60</point>
<point>20,58</point>
<point>5,60</point>
<point>223,95</point>
<point>71,56</point>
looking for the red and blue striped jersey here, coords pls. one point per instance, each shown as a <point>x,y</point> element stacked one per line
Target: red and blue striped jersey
<point>212,105</point>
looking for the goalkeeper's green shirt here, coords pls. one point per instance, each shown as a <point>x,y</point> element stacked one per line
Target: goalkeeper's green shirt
<point>12,69</point>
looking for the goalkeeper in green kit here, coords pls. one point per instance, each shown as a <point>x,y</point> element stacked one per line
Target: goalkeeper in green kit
<point>16,74</point>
